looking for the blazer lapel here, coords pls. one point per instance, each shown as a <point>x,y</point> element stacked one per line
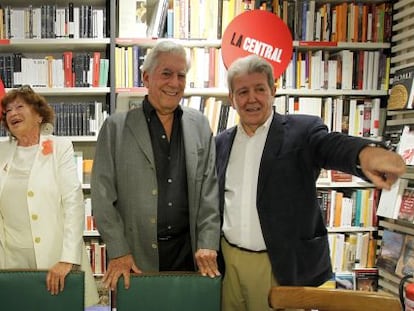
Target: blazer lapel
<point>136,123</point>
<point>274,142</point>
<point>223,155</point>
<point>190,144</point>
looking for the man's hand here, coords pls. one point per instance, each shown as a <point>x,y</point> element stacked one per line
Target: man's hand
<point>207,262</point>
<point>55,278</point>
<point>382,167</point>
<point>117,267</point>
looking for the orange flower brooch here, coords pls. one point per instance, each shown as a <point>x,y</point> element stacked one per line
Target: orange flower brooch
<point>47,147</point>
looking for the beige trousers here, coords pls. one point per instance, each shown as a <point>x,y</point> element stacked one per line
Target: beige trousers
<point>247,280</point>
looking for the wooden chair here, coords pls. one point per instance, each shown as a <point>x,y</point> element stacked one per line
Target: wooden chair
<point>325,299</point>
<point>172,291</point>
<point>23,290</point>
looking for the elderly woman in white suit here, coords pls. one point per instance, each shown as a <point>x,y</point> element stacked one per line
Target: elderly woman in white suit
<point>41,199</point>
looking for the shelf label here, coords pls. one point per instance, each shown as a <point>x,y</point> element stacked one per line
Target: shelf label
<point>258,32</point>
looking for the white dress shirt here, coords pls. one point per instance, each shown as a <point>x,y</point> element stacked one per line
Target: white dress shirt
<point>241,224</point>
<point>15,211</point>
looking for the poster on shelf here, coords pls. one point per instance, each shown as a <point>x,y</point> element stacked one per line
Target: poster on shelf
<point>270,38</point>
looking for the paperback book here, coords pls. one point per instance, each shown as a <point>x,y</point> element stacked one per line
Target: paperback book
<point>402,90</point>
<point>390,250</point>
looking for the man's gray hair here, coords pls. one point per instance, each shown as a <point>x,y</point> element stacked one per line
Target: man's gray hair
<point>247,65</point>
<point>164,46</point>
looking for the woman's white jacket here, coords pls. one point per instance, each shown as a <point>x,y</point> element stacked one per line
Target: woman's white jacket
<point>56,206</point>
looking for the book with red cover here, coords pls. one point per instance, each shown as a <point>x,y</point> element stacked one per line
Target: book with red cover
<point>338,176</point>
<point>96,68</point>
<point>68,68</point>
<point>406,211</point>
<point>366,279</point>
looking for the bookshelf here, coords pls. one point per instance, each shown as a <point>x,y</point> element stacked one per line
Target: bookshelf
<point>218,14</point>
<point>36,40</point>
<point>401,57</point>
<point>317,47</point>
<point>336,102</point>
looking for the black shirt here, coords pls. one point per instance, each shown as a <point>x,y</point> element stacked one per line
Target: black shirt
<point>174,242</point>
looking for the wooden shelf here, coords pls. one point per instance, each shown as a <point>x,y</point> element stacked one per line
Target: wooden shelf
<point>53,45</point>
<point>70,91</point>
<point>351,229</point>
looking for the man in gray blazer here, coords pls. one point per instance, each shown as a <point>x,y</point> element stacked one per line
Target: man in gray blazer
<point>267,168</point>
<point>154,187</point>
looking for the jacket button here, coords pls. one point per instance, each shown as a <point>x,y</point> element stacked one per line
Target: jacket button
<point>35,216</point>
<point>30,193</point>
<point>37,240</point>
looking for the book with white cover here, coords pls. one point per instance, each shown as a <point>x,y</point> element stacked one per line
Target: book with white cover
<point>406,145</point>
<point>390,200</point>
<point>132,19</point>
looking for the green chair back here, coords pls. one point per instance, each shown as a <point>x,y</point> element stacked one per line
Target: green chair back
<point>169,291</point>
<point>25,290</point>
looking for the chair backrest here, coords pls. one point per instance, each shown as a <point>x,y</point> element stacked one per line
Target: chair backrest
<point>23,290</point>
<point>169,291</point>
<point>325,299</point>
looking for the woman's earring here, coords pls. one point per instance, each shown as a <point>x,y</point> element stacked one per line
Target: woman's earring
<point>46,128</point>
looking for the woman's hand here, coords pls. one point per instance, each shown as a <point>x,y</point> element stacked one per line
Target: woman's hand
<point>55,279</point>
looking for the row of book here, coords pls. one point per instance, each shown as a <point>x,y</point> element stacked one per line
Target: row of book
<point>352,250</point>
<point>307,20</point>
<point>207,67</point>
<point>314,70</point>
<point>51,21</point>
<point>349,207</point>
<point>78,118</point>
<point>340,21</point>
<point>364,279</point>
<point>128,62</point>
<point>75,119</point>
<point>354,116</point>
<point>357,117</point>
<point>181,19</point>
<point>218,111</point>
<point>345,69</point>
<point>96,252</point>
<point>82,69</point>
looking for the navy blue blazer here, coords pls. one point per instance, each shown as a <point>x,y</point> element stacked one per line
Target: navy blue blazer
<point>296,148</point>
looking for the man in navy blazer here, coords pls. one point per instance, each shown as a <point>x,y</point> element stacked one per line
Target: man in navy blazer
<point>273,230</point>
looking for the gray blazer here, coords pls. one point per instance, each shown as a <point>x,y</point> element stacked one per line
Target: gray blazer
<point>124,186</point>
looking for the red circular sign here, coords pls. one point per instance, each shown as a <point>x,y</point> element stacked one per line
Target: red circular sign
<point>258,32</point>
